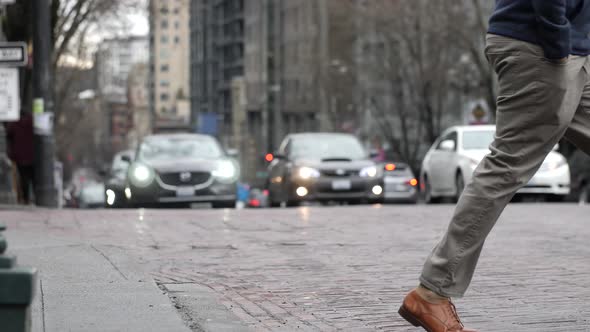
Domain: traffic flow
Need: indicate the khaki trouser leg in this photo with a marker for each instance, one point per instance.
(579, 130)
(537, 103)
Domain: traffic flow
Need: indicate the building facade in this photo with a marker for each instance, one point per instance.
(114, 60)
(138, 103)
(217, 57)
(169, 64)
(284, 56)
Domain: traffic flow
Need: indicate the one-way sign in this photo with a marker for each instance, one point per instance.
(13, 54)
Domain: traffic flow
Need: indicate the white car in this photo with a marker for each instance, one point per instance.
(450, 162)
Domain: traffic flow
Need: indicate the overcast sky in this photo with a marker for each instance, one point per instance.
(140, 24)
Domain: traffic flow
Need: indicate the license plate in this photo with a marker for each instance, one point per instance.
(401, 187)
(185, 191)
(341, 185)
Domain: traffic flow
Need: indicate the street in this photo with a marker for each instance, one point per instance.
(307, 269)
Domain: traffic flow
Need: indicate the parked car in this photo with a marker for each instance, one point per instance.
(401, 186)
(91, 195)
(115, 182)
(323, 167)
(80, 177)
(580, 183)
(451, 160)
(180, 169)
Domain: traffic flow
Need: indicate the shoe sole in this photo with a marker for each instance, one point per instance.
(405, 314)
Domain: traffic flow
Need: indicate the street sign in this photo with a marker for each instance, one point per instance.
(9, 94)
(13, 54)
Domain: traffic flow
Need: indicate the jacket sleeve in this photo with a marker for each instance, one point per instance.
(553, 27)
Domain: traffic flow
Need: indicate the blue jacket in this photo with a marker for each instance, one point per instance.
(560, 27)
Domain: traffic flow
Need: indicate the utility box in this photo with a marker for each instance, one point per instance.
(17, 290)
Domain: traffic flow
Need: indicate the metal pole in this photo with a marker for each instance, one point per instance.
(45, 191)
(279, 71)
(324, 61)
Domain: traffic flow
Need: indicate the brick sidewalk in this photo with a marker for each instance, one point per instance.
(339, 268)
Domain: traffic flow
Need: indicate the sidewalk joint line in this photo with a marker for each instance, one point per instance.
(109, 260)
(42, 303)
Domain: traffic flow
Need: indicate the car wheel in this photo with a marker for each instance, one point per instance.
(428, 198)
(293, 203)
(459, 185)
(224, 205)
(584, 195)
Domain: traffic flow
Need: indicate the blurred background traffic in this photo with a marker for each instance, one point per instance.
(254, 103)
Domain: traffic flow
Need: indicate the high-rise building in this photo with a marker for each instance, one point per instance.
(138, 102)
(217, 32)
(169, 64)
(291, 59)
(114, 60)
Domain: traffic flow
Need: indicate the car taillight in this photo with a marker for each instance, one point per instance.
(265, 192)
(412, 182)
(269, 157)
(390, 167)
(255, 203)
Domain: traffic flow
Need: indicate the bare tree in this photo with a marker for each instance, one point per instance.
(420, 60)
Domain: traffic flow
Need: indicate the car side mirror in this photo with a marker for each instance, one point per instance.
(556, 147)
(448, 145)
(126, 159)
(234, 153)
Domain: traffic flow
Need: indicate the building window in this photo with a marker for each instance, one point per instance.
(164, 68)
(164, 97)
(164, 24)
(164, 39)
(164, 83)
(177, 25)
(177, 40)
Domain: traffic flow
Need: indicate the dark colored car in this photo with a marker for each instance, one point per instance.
(323, 167)
(181, 169)
(115, 182)
(580, 173)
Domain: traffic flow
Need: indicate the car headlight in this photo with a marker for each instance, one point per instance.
(306, 173)
(111, 197)
(226, 171)
(141, 175)
(368, 172)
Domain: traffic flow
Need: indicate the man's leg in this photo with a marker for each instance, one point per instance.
(26, 180)
(537, 101)
(578, 132)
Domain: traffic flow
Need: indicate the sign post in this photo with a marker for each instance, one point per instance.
(12, 55)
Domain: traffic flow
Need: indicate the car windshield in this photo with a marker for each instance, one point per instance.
(328, 147)
(179, 148)
(478, 140)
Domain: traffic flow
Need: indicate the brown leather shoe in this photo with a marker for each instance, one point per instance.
(440, 317)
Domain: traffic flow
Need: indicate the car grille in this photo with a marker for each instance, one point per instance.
(175, 179)
(339, 173)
